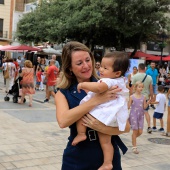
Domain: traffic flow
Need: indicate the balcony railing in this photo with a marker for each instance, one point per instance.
(3, 34)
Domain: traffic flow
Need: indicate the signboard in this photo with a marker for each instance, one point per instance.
(153, 46)
(133, 62)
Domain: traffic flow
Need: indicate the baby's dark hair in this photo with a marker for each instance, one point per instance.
(121, 61)
(160, 88)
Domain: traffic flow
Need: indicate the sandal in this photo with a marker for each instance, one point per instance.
(20, 102)
(134, 149)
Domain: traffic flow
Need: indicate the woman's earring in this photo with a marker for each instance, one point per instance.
(71, 73)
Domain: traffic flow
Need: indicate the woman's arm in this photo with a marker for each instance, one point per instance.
(129, 80)
(130, 102)
(91, 122)
(66, 116)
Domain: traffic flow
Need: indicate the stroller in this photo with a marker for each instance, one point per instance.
(14, 91)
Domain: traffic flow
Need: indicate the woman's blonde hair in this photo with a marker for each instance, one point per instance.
(28, 63)
(67, 77)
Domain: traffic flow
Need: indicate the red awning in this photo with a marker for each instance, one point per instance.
(2, 48)
(140, 54)
(154, 58)
(167, 58)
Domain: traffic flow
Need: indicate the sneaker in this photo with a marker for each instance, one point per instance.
(161, 130)
(149, 130)
(46, 100)
(153, 107)
(154, 129)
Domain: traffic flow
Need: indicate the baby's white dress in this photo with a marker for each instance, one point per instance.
(115, 112)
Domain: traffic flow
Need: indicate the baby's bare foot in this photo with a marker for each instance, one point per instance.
(79, 138)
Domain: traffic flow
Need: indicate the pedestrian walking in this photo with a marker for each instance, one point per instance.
(51, 75)
(42, 66)
(137, 104)
(167, 133)
(27, 82)
(147, 90)
(130, 77)
(38, 78)
(153, 72)
(160, 109)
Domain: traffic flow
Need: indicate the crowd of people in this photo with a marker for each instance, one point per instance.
(96, 101)
(35, 76)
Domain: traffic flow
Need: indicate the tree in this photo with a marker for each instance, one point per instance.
(118, 23)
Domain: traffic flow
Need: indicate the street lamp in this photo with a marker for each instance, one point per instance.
(162, 44)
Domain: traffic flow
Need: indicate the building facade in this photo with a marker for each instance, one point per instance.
(11, 11)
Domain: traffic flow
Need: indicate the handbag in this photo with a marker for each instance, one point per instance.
(6, 73)
(45, 81)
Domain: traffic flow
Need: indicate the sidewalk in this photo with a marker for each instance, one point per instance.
(30, 139)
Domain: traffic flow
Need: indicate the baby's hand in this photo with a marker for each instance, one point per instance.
(79, 87)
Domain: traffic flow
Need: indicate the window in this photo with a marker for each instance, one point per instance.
(1, 1)
(1, 27)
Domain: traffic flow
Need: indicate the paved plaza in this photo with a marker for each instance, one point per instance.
(30, 139)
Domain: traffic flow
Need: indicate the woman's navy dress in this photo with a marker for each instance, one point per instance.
(86, 155)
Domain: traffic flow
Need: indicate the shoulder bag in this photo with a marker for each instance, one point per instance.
(6, 73)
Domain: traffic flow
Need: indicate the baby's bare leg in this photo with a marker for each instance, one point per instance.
(108, 151)
(81, 133)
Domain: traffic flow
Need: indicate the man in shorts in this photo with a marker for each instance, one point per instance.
(51, 76)
(147, 81)
(153, 72)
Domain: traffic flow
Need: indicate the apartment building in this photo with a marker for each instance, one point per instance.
(10, 13)
(6, 8)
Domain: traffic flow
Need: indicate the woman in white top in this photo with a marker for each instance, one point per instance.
(11, 67)
(130, 76)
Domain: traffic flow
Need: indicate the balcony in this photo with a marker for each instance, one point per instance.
(4, 34)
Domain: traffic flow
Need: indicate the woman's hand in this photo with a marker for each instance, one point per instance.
(91, 122)
(110, 94)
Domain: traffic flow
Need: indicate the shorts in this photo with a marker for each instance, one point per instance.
(155, 89)
(169, 102)
(51, 88)
(38, 83)
(157, 115)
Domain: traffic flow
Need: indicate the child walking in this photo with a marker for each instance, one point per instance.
(137, 103)
(113, 113)
(38, 78)
(160, 109)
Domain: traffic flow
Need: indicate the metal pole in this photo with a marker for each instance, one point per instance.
(161, 54)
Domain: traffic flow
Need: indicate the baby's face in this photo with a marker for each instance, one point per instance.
(106, 68)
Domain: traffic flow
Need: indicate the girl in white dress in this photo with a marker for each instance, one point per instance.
(113, 113)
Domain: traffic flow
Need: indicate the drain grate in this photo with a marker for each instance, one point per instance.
(162, 141)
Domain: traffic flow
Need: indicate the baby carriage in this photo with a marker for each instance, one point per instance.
(14, 91)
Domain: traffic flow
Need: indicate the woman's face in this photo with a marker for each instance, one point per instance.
(81, 65)
(135, 70)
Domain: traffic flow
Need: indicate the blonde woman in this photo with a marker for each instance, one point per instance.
(27, 82)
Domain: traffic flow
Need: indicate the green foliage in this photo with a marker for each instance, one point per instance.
(118, 23)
